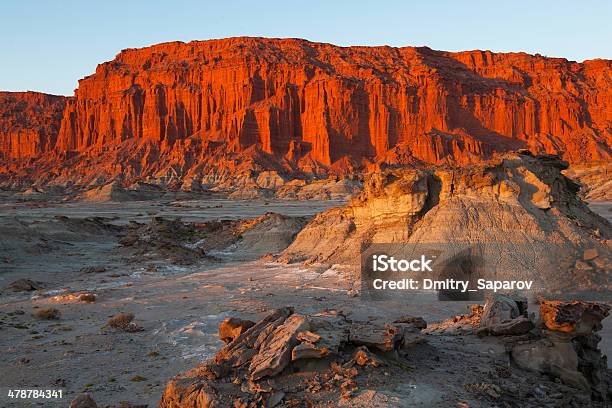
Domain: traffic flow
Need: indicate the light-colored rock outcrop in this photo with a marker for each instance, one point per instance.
(595, 180)
(519, 208)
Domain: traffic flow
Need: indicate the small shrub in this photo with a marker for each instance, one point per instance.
(49, 313)
(121, 321)
(87, 297)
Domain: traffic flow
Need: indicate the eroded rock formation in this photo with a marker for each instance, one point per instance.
(185, 243)
(205, 109)
(517, 207)
(272, 360)
(595, 180)
(568, 347)
(325, 359)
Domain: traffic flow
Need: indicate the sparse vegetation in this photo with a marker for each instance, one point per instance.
(87, 297)
(48, 313)
(120, 321)
(123, 322)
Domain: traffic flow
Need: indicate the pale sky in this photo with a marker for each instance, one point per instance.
(48, 45)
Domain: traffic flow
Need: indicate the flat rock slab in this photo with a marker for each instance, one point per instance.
(275, 351)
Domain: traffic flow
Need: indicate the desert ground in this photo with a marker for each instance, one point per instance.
(68, 249)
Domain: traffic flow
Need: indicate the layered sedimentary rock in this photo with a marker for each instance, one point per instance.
(518, 214)
(177, 110)
(569, 349)
(595, 180)
(29, 123)
(269, 361)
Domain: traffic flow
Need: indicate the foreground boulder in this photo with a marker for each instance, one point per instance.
(505, 315)
(248, 369)
(568, 348)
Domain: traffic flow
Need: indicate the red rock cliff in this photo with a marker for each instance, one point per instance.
(305, 103)
(29, 123)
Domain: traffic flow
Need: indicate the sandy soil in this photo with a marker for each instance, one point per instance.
(178, 306)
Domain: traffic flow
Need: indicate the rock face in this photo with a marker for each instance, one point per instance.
(576, 317)
(29, 123)
(178, 110)
(509, 206)
(568, 349)
(595, 180)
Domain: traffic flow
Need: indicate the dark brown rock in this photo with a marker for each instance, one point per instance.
(573, 317)
(363, 357)
(93, 269)
(124, 322)
(308, 350)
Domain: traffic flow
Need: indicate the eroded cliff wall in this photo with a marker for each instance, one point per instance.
(29, 123)
(319, 106)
